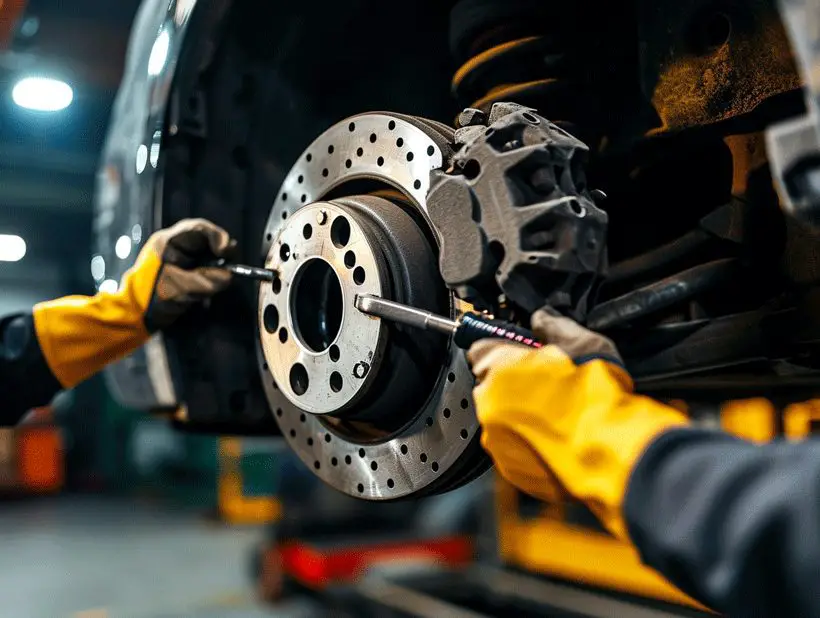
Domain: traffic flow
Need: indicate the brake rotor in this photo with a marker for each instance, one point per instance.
(377, 410)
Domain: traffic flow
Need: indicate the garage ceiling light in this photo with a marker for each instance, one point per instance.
(123, 247)
(12, 248)
(42, 94)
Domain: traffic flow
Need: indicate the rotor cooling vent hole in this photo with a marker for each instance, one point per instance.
(360, 488)
(374, 466)
(431, 150)
(391, 483)
(373, 138)
(350, 259)
(417, 185)
(309, 441)
(362, 453)
(472, 169)
(284, 252)
(403, 449)
(299, 380)
(464, 404)
(334, 462)
(330, 149)
(400, 142)
(410, 156)
(325, 172)
(380, 161)
(391, 125)
(351, 127)
(308, 157)
(317, 305)
(359, 152)
(284, 214)
(302, 418)
(268, 237)
(271, 319)
(340, 232)
(301, 179)
(336, 382)
(451, 377)
(423, 458)
(429, 421)
(358, 275)
(334, 353)
(446, 413)
(434, 466)
(348, 460)
(464, 434)
(328, 438)
(279, 412)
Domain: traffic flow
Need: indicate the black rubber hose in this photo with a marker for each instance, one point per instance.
(656, 259)
(661, 295)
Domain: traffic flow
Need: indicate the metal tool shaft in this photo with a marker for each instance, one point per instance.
(249, 272)
(396, 312)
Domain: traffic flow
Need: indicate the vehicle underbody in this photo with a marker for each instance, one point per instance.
(607, 159)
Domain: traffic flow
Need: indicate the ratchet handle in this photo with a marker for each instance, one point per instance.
(473, 327)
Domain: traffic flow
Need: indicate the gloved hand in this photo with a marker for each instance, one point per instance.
(563, 418)
(79, 335)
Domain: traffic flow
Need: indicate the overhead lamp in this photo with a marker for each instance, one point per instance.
(42, 94)
(12, 248)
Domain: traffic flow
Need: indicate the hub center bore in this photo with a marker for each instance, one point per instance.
(317, 305)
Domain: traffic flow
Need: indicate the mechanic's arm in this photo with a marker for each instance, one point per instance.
(734, 525)
(64, 341)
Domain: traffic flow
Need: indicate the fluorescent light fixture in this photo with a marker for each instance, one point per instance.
(109, 286)
(12, 248)
(42, 94)
(98, 268)
(159, 54)
(123, 247)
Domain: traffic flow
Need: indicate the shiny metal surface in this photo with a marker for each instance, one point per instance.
(396, 312)
(428, 451)
(335, 376)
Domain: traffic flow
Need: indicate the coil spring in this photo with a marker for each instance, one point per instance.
(525, 51)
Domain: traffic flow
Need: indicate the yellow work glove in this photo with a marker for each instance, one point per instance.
(563, 418)
(79, 335)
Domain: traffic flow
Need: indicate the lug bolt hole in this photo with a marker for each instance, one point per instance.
(299, 380)
(336, 381)
(270, 318)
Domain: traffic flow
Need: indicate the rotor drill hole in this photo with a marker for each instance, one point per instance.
(279, 412)
(336, 381)
(307, 231)
(330, 149)
(471, 170)
(276, 285)
(350, 259)
(410, 156)
(308, 157)
(417, 185)
(334, 462)
(403, 449)
(299, 380)
(317, 465)
(325, 172)
(380, 161)
(373, 138)
(328, 438)
(348, 163)
(348, 460)
(431, 151)
(303, 199)
(283, 335)
(284, 197)
(391, 125)
(451, 377)
(292, 433)
(340, 232)
(358, 275)
(268, 237)
(400, 142)
(284, 214)
(361, 453)
(317, 305)
(270, 318)
(301, 179)
(302, 417)
(464, 434)
(464, 404)
(310, 441)
(423, 458)
(284, 252)
(359, 152)
(334, 353)
(360, 487)
(429, 421)
(390, 483)
(374, 466)
(351, 127)
(446, 413)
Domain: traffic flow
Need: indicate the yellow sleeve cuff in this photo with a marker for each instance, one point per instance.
(80, 335)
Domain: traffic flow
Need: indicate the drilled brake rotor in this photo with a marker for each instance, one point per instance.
(377, 410)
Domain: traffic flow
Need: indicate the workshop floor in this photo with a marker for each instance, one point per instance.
(97, 558)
